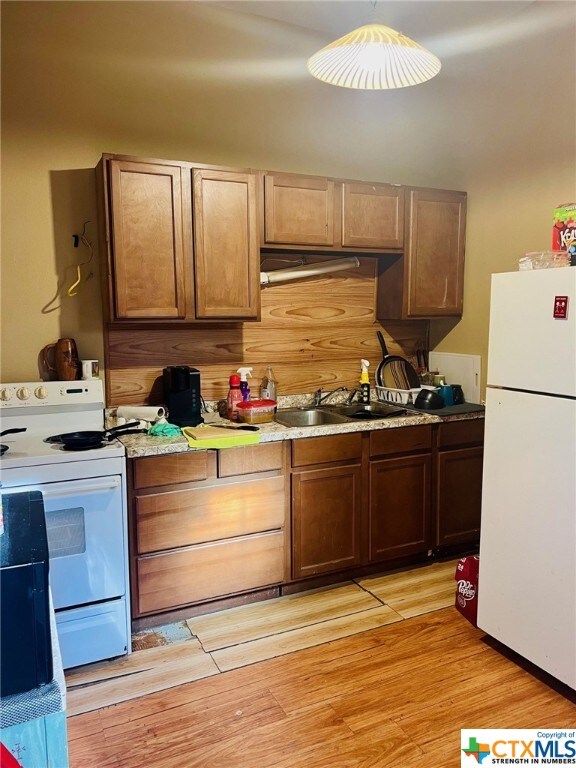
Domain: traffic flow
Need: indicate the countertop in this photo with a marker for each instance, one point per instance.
(145, 445)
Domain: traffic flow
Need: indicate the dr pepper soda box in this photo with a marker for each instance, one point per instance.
(467, 587)
(564, 229)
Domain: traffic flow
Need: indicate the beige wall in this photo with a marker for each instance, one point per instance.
(191, 81)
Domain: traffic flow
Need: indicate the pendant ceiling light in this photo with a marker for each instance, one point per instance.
(374, 57)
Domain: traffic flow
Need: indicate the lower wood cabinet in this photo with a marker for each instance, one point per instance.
(326, 520)
(384, 496)
(400, 523)
(196, 515)
(365, 500)
(203, 528)
(195, 574)
(458, 483)
(207, 525)
(327, 504)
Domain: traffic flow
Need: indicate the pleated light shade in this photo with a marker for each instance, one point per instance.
(374, 57)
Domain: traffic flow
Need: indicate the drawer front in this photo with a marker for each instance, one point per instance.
(182, 518)
(250, 458)
(468, 432)
(322, 450)
(175, 468)
(209, 570)
(400, 440)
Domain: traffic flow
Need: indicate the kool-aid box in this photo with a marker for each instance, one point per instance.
(564, 229)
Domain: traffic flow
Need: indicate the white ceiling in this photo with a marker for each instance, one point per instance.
(447, 27)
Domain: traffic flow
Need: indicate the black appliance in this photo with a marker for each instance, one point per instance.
(25, 642)
(182, 395)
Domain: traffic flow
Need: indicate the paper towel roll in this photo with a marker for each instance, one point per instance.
(143, 412)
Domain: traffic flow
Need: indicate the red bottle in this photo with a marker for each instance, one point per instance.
(234, 397)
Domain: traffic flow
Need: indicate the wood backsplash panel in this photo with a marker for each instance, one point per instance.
(326, 300)
(312, 332)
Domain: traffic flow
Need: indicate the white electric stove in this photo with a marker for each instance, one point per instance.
(85, 505)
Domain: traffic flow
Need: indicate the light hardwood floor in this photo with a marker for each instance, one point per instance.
(251, 633)
(347, 683)
(392, 696)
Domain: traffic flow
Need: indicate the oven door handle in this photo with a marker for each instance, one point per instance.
(75, 488)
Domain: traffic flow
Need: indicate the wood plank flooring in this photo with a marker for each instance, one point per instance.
(368, 674)
(147, 671)
(413, 593)
(396, 695)
(252, 633)
(251, 622)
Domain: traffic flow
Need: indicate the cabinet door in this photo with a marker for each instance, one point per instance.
(435, 253)
(372, 216)
(227, 255)
(400, 518)
(326, 518)
(147, 240)
(298, 210)
(459, 496)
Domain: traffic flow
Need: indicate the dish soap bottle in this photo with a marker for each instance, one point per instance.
(244, 388)
(268, 387)
(234, 397)
(364, 395)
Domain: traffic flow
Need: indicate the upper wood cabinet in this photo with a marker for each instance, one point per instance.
(372, 216)
(148, 245)
(302, 211)
(298, 210)
(428, 280)
(182, 241)
(226, 247)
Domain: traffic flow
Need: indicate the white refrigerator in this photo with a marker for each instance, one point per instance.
(527, 580)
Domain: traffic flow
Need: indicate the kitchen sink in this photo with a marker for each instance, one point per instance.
(308, 417)
(335, 414)
(359, 412)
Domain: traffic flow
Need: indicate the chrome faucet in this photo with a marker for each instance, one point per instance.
(351, 396)
(319, 397)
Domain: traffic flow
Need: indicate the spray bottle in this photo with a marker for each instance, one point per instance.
(244, 388)
(364, 395)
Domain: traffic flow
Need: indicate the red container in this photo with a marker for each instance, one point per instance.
(467, 588)
(256, 411)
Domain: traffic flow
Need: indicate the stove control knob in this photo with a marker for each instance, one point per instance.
(41, 393)
(5, 394)
(23, 393)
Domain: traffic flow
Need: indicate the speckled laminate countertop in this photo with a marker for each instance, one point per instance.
(145, 445)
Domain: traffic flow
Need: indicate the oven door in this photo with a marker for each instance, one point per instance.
(85, 540)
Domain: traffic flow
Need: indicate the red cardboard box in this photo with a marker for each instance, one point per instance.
(467, 587)
(564, 229)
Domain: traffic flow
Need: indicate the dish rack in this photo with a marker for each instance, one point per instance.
(399, 396)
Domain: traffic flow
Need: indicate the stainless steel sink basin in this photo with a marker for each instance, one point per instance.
(359, 412)
(335, 414)
(309, 417)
